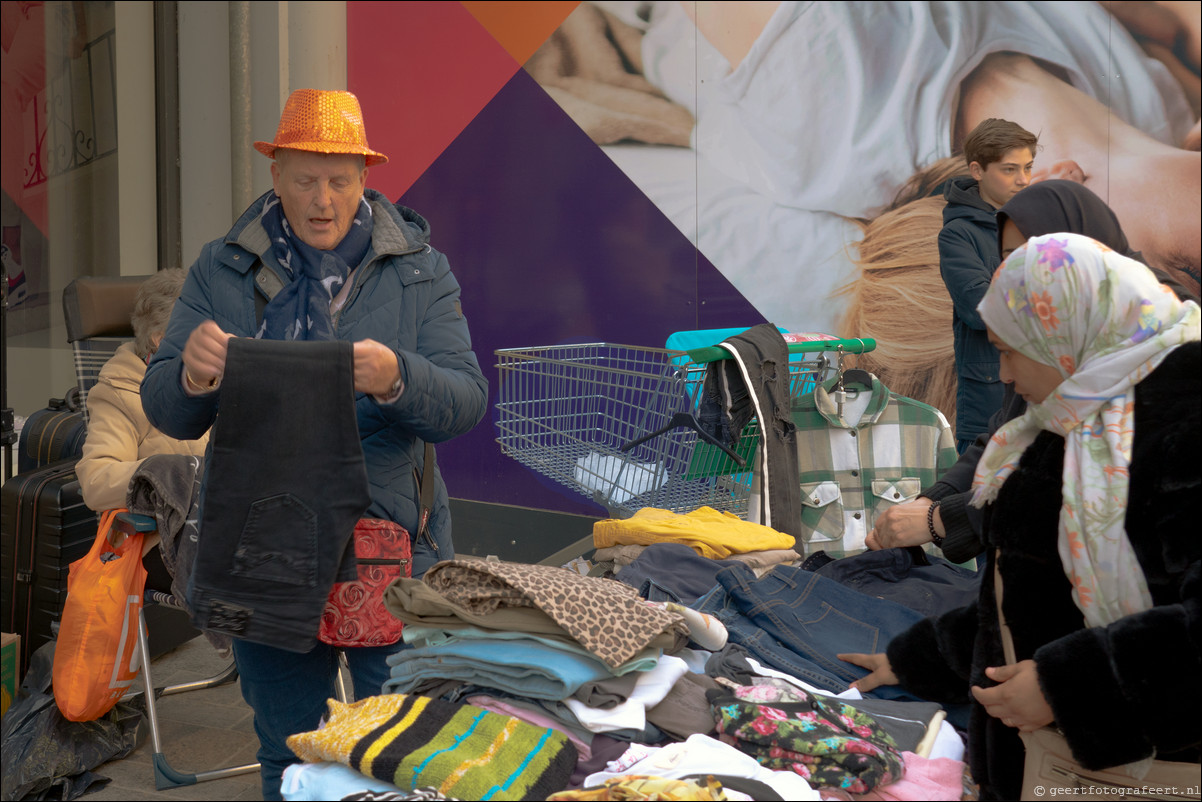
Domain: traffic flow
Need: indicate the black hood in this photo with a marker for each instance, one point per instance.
(1057, 206)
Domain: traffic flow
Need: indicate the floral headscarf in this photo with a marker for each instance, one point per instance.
(1105, 322)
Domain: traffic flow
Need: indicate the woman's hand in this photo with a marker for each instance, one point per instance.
(1170, 23)
(1170, 32)
(1017, 699)
(902, 525)
(878, 664)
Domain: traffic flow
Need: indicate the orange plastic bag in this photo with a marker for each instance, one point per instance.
(96, 658)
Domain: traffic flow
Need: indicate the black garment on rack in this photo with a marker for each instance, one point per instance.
(284, 485)
(755, 382)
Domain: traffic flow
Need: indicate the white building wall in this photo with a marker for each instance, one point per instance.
(293, 45)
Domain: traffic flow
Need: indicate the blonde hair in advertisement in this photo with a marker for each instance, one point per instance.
(898, 296)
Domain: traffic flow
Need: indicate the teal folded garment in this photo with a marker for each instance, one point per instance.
(422, 636)
(521, 667)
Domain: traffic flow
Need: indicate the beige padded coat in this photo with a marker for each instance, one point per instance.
(119, 435)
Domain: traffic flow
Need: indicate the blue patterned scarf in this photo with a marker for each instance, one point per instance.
(301, 310)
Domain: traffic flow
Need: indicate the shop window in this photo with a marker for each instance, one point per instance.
(59, 164)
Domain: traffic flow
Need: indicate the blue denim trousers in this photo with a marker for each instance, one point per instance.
(672, 572)
(931, 589)
(288, 691)
(796, 621)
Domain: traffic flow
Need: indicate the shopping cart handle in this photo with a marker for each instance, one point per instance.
(854, 345)
(689, 422)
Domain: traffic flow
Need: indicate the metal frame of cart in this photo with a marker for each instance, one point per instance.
(616, 422)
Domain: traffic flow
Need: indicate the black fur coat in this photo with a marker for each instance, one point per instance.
(1119, 693)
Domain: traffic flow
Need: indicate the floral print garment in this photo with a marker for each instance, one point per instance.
(828, 743)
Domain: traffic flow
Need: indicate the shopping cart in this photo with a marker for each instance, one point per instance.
(617, 423)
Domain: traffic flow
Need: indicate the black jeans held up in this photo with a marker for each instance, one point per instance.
(284, 486)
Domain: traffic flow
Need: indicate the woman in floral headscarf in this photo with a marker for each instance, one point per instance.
(1091, 514)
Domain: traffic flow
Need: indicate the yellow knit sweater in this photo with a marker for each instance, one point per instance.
(711, 533)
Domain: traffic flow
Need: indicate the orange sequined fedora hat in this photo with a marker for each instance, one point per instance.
(322, 121)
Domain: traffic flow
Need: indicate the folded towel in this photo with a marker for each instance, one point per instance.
(414, 741)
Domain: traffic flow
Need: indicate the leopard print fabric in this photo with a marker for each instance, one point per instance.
(607, 617)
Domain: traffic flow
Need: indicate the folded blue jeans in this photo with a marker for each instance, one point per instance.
(796, 621)
(894, 574)
(672, 572)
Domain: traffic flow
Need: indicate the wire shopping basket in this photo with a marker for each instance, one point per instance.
(605, 420)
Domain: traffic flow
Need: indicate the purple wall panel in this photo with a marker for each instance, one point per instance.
(553, 244)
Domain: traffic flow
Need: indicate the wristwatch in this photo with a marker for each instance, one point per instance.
(936, 538)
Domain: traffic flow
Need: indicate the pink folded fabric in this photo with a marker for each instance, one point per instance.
(938, 779)
(486, 702)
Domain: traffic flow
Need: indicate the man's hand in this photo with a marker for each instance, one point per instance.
(901, 525)
(204, 355)
(1017, 700)
(878, 664)
(376, 369)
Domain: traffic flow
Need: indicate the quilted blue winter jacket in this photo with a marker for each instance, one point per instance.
(405, 296)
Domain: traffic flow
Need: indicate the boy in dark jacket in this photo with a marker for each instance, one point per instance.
(1000, 155)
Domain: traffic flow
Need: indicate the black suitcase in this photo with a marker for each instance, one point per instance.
(54, 433)
(44, 527)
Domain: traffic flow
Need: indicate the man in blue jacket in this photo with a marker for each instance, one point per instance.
(1000, 155)
(320, 257)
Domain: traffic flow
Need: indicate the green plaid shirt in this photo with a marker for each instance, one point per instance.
(852, 474)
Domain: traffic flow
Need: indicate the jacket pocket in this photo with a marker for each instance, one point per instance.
(896, 491)
(278, 543)
(821, 511)
(888, 493)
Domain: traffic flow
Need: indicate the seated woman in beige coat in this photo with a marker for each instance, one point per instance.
(119, 436)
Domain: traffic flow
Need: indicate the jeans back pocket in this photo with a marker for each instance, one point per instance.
(278, 542)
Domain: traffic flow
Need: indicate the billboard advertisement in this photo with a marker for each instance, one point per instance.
(618, 172)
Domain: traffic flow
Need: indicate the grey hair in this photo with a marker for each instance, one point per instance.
(152, 307)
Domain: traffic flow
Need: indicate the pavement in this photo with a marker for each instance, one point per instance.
(200, 730)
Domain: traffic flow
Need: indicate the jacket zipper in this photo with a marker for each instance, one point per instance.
(423, 520)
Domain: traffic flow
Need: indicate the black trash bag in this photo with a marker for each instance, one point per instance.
(47, 757)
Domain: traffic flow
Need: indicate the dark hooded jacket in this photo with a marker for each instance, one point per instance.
(968, 255)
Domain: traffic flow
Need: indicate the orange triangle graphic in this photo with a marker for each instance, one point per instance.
(521, 26)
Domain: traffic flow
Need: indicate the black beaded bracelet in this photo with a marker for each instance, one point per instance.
(935, 538)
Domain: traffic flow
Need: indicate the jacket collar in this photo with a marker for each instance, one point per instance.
(124, 370)
(396, 231)
(827, 408)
